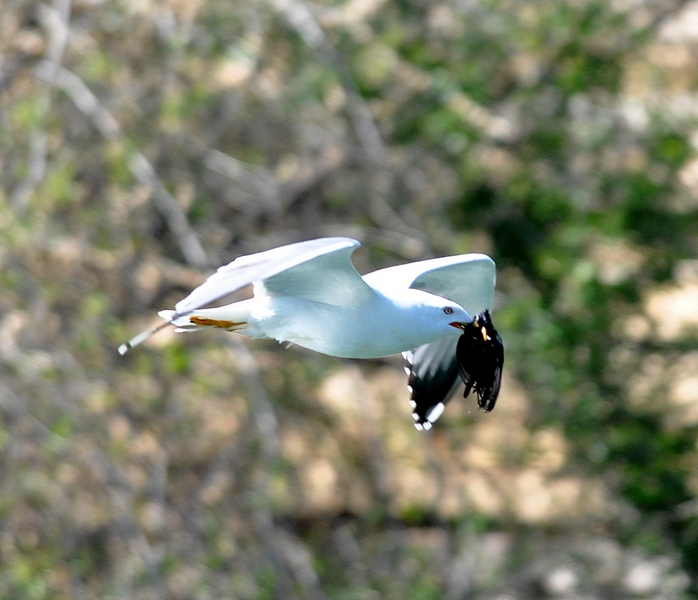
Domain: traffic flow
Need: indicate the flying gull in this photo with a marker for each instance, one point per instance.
(435, 312)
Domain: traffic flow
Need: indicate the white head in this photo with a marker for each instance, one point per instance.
(437, 315)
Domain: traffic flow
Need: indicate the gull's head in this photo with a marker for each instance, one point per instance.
(457, 317)
(448, 316)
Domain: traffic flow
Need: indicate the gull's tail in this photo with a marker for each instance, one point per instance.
(141, 337)
(233, 317)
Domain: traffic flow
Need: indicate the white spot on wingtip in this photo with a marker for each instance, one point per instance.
(418, 426)
(415, 416)
(413, 404)
(436, 412)
(427, 426)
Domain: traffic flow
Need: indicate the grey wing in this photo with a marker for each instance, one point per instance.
(267, 267)
(329, 279)
(262, 266)
(467, 279)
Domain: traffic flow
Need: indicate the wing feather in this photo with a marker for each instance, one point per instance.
(467, 279)
(432, 378)
(329, 278)
(270, 267)
(261, 266)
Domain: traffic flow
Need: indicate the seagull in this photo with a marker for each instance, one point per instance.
(435, 312)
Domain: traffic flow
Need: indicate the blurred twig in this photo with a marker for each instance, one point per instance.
(283, 548)
(258, 181)
(140, 166)
(55, 18)
(122, 496)
(299, 16)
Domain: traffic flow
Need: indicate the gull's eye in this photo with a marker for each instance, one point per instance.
(448, 310)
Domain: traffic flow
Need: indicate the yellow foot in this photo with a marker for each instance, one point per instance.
(219, 323)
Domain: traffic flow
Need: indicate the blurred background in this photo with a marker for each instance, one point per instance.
(144, 143)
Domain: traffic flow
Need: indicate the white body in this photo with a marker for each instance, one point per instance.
(379, 326)
(309, 294)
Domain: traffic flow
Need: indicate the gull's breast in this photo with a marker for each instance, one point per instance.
(371, 330)
(363, 331)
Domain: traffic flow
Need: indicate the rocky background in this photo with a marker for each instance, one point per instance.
(144, 143)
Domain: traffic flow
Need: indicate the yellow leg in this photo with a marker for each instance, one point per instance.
(218, 323)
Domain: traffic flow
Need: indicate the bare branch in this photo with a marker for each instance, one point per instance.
(299, 16)
(56, 20)
(140, 166)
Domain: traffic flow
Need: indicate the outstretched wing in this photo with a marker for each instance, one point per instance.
(293, 268)
(467, 279)
(329, 278)
(278, 265)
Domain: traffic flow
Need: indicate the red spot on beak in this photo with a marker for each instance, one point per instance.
(458, 325)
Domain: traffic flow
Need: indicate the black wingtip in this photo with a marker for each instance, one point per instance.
(432, 379)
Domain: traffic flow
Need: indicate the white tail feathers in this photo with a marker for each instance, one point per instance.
(182, 323)
(233, 317)
(141, 337)
(171, 318)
